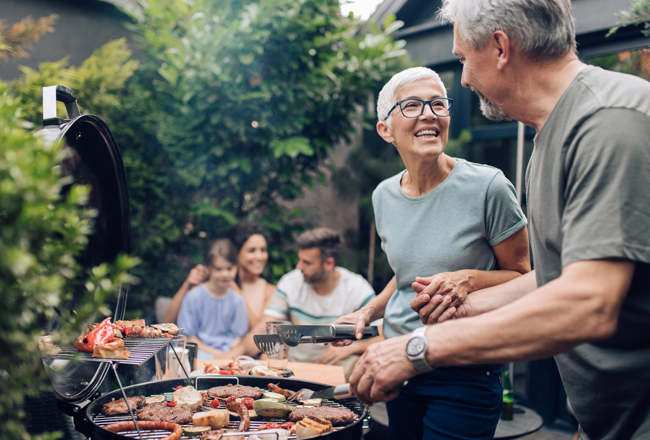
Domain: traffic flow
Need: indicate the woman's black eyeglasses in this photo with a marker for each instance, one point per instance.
(413, 108)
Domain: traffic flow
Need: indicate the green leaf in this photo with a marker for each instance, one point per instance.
(291, 147)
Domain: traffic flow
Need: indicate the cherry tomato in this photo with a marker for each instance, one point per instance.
(171, 403)
(167, 335)
(215, 403)
(226, 372)
(248, 402)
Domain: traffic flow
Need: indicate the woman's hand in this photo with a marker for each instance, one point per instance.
(360, 318)
(454, 285)
(438, 297)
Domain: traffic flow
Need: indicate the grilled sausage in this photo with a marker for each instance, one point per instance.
(177, 431)
(242, 411)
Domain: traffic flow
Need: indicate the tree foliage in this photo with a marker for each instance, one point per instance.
(251, 97)
(229, 115)
(41, 234)
(639, 13)
(15, 40)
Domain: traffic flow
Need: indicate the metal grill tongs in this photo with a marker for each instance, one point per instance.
(292, 335)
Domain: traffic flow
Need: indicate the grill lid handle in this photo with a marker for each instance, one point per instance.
(51, 95)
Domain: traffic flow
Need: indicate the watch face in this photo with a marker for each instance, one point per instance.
(415, 346)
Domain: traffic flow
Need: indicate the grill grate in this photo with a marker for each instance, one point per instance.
(142, 349)
(100, 419)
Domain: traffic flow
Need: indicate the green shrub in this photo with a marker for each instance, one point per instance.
(40, 236)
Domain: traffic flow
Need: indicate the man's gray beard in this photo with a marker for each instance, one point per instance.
(491, 110)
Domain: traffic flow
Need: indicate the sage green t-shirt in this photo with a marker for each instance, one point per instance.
(588, 186)
(451, 228)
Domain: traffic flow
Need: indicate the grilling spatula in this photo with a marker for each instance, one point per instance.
(337, 392)
(292, 335)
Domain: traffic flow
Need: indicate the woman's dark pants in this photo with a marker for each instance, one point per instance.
(448, 403)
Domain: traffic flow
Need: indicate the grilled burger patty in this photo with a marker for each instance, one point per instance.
(239, 391)
(338, 416)
(160, 412)
(118, 407)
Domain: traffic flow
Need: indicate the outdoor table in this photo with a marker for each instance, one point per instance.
(321, 373)
(525, 421)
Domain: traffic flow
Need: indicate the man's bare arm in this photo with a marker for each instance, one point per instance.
(582, 305)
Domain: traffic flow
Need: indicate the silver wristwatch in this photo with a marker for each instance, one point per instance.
(416, 350)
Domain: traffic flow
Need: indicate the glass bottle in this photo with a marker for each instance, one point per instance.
(508, 400)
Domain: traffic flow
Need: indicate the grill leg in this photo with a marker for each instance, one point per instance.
(135, 423)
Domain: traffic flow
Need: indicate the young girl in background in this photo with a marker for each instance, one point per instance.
(212, 314)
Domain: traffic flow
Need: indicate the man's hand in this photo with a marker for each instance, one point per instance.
(381, 369)
(360, 318)
(335, 354)
(199, 274)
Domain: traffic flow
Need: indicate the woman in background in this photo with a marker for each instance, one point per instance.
(250, 240)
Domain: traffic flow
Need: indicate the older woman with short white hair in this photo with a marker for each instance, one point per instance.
(449, 224)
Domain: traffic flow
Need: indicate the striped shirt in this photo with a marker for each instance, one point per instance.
(296, 301)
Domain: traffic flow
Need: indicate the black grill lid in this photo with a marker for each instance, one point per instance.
(93, 158)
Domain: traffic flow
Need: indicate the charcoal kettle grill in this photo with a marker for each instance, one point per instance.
(92, 157)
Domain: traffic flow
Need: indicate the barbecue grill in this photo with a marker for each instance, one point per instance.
(92, 158)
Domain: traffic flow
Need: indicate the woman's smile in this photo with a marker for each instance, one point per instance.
(427, 133)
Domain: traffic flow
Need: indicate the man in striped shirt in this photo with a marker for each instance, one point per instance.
(318, 292)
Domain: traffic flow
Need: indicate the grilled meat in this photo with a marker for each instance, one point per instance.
(170, 328)
(338, 416)
(239, 391)
(160, 412)
(118, 407)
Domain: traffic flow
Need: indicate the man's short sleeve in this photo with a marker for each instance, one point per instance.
(278, 306)
(503, 215)
(607, 199)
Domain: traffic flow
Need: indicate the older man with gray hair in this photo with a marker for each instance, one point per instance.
(588, 300)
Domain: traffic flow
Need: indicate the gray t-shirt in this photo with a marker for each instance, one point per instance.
(451, 228)
(588, 184)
